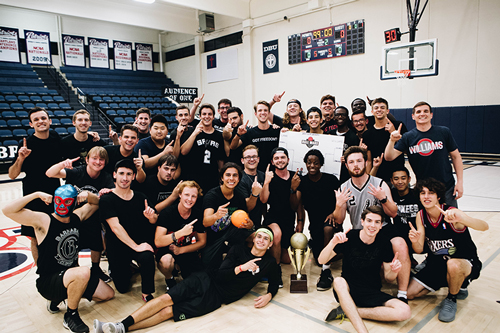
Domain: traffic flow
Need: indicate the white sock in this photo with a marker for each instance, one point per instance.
(401, 294)
(325, 267)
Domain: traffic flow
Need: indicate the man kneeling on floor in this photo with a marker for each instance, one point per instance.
(358, 290)
(204, 292)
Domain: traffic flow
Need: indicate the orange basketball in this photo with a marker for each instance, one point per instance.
(238, 218)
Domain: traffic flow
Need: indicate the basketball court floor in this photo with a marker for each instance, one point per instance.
(23, 310)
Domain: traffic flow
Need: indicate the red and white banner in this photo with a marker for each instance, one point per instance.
(74, 54)
(38, 47)
(123, 55)
(98, 48)
(144, 56)
(9, 45)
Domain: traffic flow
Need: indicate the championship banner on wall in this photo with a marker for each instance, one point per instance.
(98, 49)
(144, 56)
(123, 55)
(298, 143)
(9, 45)
(74, 54)
(38, 47)
(270, 56)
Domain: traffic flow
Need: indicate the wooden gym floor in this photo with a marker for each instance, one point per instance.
(23, 310)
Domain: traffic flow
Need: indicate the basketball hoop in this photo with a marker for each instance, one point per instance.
(402, 75)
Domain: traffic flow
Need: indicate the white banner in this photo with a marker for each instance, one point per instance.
(74, 54)
(222, 65)
(298, 143)
(9, 45)
(38, 47)
(123, 55)
(98, 53)
(144, 56)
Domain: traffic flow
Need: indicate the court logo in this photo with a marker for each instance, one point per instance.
(14, 257)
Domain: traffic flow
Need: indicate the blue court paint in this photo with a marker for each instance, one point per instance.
(10, 260)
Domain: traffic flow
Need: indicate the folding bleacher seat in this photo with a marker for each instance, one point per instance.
(116, 99)
(47, 99)
(52, 92)
(6, 92)
(31, 131)
(25, 123)
(111, 113)
(132, 106)
(53, 106)
(65, 106)
(165, 105)
(129, 120)
(125, 99)
(114, 105)
(35, 98)
(61, 131)
(157, 105)
(66, 122)
(107, 99)
(59, 114)
(14, 123)
(23, 98)
(56, 122)
(150, 99)
(149, 105)
(7, 143)
(141, 99)
(121, 112)
(21, 114)
(71, 130)
(28, 106)
(3, 124)
(19, 133)
(18, 91)
(97, 99)
(42, 105)
(4, 106)
(6, 134)
(131, 113)
(119, 120)
(11, 98)
(8, 114)
(139, 105)
(59, 99)
(104, 105)
(123, 105)
(155, 112)
(70, 113)
(16, 106)
(133, 99)
(157, 100)
(2, 98)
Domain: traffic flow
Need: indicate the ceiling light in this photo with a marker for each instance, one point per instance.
(146, 1)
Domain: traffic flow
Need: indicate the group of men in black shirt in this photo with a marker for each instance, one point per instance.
(152, 206)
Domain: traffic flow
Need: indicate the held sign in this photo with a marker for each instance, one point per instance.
(181, 95)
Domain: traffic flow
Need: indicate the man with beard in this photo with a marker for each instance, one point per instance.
(235, 120)
(142, 120)
(363, 190)
(316, 192)
(90, 177)
(359, 122)
(204, 152)
(327, 105)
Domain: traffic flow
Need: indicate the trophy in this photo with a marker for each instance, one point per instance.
(298, 256)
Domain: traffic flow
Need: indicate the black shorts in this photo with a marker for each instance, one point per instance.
(194, 297)
(287, 230)
(389, 231)
(91, 235)
(317, 242)
(366, 297)
(188, 262)
(433, 275)
(51, 287)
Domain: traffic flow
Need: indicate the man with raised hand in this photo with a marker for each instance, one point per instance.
(358, 289)
(364, 190)
(204, 292)
(222, 108)
(429, 148)
(57, 234)
(452, 260)
(235, 120)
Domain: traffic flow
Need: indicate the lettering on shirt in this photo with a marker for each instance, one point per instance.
(441, 247)
(267, 138)
(67, 247)
(426, 147)
(207, 143)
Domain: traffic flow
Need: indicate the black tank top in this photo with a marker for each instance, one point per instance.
(59, 250)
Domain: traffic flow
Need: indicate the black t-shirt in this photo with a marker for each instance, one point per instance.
(79, 177)
(218, 124)
(362, 262)
(171, 220)
(44, 154)
(376, 140)
(232, 287)
(265, 140)
(201, 164)
(318, 197)
(214, 199)
(149, 148)
(72, 148)
(114, 156)
(280, 208)
(131, 218)
(144, 135)
(235, 155)
(408, 208)
(350, 139)
(329, 125)
(245, 187)
(154, 190)
(279, 121)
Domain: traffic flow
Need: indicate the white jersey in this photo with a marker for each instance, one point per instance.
(361, 200)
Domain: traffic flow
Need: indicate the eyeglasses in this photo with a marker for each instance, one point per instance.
(223, 107)
(360, 121)
(253, 157)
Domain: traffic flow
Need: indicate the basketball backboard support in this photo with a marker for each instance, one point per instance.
(418, 57)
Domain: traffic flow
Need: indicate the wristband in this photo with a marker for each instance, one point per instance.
(173, 237)
(240, 268)
(253, 195)
(383, 201)
(293, 191)
(237, 134)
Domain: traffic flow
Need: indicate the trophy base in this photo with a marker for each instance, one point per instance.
(298, 285)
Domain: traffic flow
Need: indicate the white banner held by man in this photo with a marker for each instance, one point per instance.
(299, 143)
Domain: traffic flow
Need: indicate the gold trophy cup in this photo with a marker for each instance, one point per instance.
(298, 256)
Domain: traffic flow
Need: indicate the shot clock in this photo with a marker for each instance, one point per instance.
(335, 41)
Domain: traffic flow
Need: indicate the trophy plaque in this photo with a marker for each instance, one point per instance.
(298, 256)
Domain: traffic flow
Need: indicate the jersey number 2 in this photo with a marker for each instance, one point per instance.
(206, 159)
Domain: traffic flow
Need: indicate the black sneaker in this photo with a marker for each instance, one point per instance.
(103, 276)
(325, 280)
(53, 306)
(147, 298)
(170, 283)
(74, 323)
(280, 282)
(336, 314)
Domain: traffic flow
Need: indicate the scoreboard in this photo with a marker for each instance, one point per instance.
(335, 41)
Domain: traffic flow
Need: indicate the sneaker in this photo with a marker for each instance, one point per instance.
(280, 282)
(325, 280)
(97, 326)
(147, 298)
(447, 313)
(74, 323)
(170, 283)
(103, 276)
(53, 306)
(462, 294)
(113, 328)
(336, 314)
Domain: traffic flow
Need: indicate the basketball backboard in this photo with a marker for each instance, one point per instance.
(418, 57)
